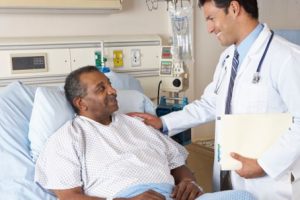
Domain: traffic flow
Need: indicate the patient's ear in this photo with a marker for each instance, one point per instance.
(79, 104)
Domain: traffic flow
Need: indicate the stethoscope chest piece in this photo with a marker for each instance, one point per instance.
(256, 78)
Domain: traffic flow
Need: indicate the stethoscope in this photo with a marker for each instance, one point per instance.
(256, 75)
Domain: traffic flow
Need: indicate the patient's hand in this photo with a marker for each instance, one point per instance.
(149, 119)
(187, 190)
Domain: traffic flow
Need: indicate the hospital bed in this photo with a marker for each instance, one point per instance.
(29, 114)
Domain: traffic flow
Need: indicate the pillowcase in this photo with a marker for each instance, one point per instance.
(124, 81)
(51, 110)
(134, 101)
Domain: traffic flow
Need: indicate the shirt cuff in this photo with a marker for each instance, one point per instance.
(164, 128)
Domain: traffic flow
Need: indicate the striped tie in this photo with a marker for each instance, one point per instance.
(225, 175)
(235, 64)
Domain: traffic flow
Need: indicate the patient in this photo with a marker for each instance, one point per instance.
(102, 154)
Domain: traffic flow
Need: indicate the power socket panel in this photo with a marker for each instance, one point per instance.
(136, 58)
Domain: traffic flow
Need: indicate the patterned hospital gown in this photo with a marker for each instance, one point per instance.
(105, 159)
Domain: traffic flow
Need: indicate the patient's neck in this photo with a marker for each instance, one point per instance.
(102, 119)
(105, 121)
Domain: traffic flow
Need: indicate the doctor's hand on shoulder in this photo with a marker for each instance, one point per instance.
(250, 167)
(148, 119)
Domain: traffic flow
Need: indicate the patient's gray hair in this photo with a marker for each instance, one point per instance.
(73, 87)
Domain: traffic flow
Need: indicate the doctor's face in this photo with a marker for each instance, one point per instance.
(100, 99)
(222, 24)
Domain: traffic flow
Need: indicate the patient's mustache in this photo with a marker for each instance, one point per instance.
(112, 97)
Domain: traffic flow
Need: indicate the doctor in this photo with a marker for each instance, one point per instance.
(267, 80)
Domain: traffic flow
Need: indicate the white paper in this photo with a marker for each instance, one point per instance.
(249, 135)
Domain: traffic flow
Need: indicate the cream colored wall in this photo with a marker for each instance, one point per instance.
(133, 19)
(278, 14)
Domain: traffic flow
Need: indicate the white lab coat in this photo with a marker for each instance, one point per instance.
(277, 91)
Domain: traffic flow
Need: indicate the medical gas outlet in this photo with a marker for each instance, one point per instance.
(118, 58)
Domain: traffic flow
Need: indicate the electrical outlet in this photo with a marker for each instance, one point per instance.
(135, 57)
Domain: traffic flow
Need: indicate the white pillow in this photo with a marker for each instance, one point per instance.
(51, 110)
(124, 81)
(134, 101)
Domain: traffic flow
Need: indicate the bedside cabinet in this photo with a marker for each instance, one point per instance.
(200, 161)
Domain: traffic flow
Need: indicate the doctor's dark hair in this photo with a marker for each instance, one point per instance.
(249, 5)
(73, 87)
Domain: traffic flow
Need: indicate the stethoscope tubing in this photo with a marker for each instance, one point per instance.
(256, 76)
(265, 52)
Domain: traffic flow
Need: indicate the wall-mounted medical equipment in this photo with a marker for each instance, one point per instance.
(173, 72)
(173, 80)
(118, 58)
(100, 62)
(28, 63)
(47, 60)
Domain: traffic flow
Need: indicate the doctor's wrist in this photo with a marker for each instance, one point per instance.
(163, 128)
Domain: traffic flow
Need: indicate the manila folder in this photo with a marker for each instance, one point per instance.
(249, 135)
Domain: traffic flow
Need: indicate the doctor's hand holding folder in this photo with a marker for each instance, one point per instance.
(248, 135)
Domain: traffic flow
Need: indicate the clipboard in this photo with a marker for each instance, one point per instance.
(249, 135)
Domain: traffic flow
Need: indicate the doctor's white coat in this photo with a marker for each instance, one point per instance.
(277, 91)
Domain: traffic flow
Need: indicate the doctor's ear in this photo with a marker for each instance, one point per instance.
(235, 7)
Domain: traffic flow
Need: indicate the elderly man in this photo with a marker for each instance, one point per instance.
(101, 154)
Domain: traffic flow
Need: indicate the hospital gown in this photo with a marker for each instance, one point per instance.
(107, 159)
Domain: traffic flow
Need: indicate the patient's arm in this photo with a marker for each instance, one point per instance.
(186, 187)
(77, 194)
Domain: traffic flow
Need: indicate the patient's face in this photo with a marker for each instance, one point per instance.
(100, 100)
